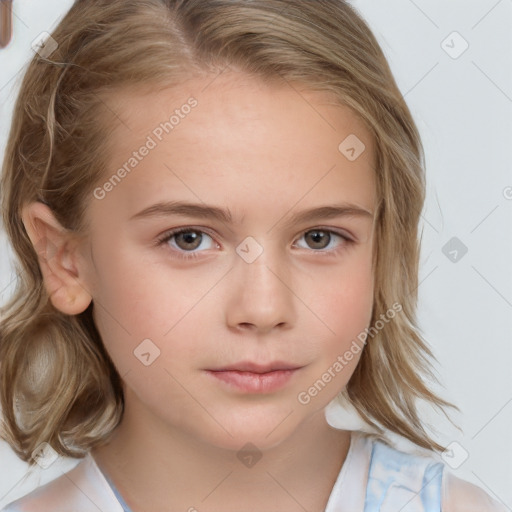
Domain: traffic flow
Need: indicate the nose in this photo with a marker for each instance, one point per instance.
(260, 294)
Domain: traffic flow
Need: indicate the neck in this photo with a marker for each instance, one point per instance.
(160, 467)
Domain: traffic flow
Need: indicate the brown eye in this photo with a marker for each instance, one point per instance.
(188, 240)
(319, 239)
(325, 241)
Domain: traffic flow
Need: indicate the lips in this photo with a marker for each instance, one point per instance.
(248, 366)
(252, 378)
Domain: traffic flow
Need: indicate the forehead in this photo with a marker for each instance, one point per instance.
(237, 97)
(215, 135)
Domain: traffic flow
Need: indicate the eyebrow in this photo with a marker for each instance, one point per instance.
(197, 210)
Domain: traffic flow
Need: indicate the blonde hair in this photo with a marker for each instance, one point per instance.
(58, 384)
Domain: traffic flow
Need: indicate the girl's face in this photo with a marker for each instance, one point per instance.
(265, 273)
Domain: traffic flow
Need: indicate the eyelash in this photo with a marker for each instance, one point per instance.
(186, 255)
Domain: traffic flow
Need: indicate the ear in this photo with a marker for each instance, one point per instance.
(59, 258)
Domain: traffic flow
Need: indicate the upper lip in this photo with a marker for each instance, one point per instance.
(248, 366)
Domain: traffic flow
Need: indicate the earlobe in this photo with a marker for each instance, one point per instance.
(59, 260)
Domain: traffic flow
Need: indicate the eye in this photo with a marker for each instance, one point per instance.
(321, 239)
(185, 240)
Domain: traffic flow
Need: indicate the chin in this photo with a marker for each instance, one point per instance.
(264, 432)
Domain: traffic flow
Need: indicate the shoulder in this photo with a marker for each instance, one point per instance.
(83, 489)
(462, 496)
(423, 481)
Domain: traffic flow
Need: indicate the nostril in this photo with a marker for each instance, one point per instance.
(5, 22)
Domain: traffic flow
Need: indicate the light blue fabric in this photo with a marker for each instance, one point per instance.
(404, 482)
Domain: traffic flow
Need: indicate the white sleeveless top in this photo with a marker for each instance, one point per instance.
(373, 478)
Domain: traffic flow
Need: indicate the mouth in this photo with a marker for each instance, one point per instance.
(250, 367)
(250, 377)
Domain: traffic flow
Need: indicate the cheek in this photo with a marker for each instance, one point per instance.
(351, 302)
(346, 308)
(128, 290)
(348, 300)
(140, 301)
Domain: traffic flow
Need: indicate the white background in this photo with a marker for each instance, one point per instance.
(463, 107)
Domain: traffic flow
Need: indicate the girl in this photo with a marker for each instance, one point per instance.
(215, 207)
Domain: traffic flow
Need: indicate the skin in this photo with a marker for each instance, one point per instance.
(266, 152)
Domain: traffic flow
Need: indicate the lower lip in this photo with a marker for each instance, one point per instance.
(255, 382)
